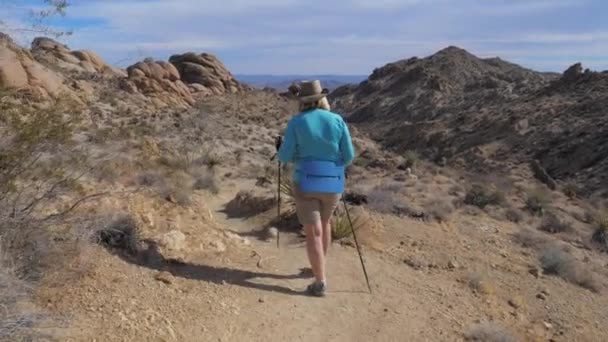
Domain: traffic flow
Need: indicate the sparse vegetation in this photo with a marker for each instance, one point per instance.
(481, 196)
(571, 190)
(489, 332)
(411, 158)
(529, 238)
(211, 161)
(538, 202)
(600, 234)
(206, 182)
(514, 215)
(553, 224)
(480, 283)
(439, 209)
(384, 198)
(555, 260)
(177, 188)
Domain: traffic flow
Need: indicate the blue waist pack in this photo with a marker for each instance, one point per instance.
(321, 176)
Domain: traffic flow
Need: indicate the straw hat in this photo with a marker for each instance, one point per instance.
(311, 91)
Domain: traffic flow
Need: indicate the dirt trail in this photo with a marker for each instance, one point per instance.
(348, 313)
(230, 296)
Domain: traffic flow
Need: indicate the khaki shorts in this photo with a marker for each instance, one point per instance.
(312, 207)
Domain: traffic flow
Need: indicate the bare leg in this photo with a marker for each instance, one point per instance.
(326, 236)
(314, 249)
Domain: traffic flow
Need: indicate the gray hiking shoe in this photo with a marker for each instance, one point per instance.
(317, 289)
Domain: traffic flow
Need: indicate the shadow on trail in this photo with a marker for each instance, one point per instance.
(152, 258)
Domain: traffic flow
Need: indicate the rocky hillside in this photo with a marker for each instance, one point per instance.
(50, 69)
(485, 114)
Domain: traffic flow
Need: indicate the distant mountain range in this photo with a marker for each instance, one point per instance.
(282, 82)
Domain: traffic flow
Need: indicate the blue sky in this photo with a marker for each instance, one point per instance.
(334, 37)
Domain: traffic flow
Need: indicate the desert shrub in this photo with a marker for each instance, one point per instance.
(538, 202)
(19, 322)
(384, 198)
(481, 196)
(489, 332)
(571, 190)
(480, 283)
(177, 188)
(206, 182)
(556, 261)
(552, 224)
(411, 158)
(212, 160)
(120, 233)
(514, 215)
(439, 209)
(150, 179)
(529, 238)
(600, 234)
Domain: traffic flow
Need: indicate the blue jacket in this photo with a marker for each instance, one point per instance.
(316, 135)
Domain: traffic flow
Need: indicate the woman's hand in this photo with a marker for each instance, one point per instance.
(278, 141)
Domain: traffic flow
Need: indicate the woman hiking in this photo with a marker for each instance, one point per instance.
(319, 145)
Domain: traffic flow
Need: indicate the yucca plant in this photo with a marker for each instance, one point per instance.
(340, 226)
(287, 195)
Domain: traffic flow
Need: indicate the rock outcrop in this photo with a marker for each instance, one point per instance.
(50, 52)
(206, 74)
(159, 80)
(20, 71)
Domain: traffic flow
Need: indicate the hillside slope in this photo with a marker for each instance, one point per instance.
(485, 114)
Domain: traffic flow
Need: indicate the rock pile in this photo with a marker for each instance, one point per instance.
(20, 71)
(206, 74)
(50, 52)
(159, 80)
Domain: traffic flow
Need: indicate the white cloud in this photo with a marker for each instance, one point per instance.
(342, 36)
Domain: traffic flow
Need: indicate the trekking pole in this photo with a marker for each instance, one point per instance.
(356, 242)
(278, 145)
(279, 204)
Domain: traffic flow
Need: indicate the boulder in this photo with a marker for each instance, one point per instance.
(19, 70)
(160, 80)
(206, 74)
(53, 53)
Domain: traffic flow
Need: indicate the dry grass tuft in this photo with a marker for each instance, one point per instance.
(556, 261)
(480, 283)
(529, 238)
(385, 198)
(553, 225)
